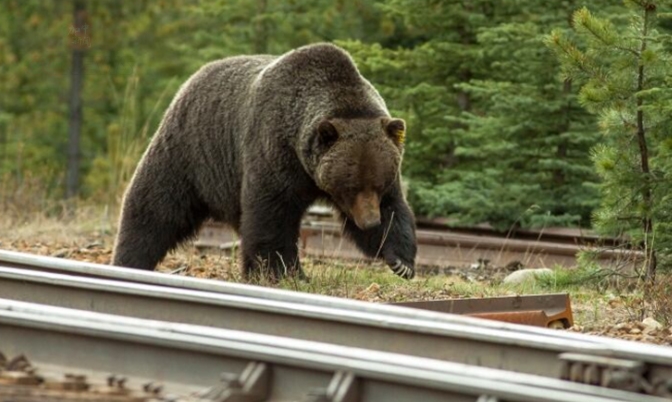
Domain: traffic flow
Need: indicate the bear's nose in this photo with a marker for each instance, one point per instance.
(366, 210)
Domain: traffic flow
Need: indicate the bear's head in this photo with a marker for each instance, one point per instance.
(357, 163)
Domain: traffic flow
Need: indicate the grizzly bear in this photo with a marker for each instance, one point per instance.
(253, 141)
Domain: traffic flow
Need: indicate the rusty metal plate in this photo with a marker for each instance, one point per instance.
(550, 311)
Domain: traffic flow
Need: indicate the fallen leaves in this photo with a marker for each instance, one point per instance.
(648, 330)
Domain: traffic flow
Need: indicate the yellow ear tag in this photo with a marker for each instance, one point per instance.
(401, 136)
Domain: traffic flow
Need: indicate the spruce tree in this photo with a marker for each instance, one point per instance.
(494, 135)
(432, 48)
(626, 70)
(523, 152)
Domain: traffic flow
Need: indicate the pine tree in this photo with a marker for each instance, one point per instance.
(626, 69)
(523, 153)
(432, 47)
(233, 27)
(79, 41)
(33, 75)
(494, 135)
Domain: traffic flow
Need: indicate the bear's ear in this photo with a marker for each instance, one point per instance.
(327, 134)
(396, 130)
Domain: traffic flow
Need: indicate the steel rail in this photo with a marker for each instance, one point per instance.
(285, 369)
(30, 262)
(445, 337)
(454, 341)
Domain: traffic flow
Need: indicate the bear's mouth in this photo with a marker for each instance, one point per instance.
(366, 210)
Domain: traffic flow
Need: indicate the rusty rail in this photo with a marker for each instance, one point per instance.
(439, 248)
(576, 236)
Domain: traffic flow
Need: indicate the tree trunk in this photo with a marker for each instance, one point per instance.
(647, 196)
(260, 40)
(75, 120)
(562, 149)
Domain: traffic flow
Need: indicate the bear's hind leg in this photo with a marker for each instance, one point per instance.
(153, 222)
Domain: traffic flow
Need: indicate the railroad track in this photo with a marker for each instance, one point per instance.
(196, 363)
(632, 367)
(441, 246)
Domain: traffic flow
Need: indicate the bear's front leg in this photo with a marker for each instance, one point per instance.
(270, 227)
(394, 239)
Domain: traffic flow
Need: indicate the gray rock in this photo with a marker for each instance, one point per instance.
(526, 275)
(651, 325)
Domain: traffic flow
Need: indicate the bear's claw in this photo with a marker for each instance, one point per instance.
(402, 270)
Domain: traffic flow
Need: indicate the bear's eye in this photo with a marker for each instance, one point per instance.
(380, 188)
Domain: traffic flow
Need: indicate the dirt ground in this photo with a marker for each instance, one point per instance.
(604, 307)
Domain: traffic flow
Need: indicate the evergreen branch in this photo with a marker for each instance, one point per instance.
(583, 17)
(566, 49)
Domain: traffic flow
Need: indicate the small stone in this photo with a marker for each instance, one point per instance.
(635, 331)
(61, 253)
(526, 275)
(373, 288)
(614, 301)
(651, 325)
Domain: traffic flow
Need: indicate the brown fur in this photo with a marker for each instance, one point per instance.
(253, 141)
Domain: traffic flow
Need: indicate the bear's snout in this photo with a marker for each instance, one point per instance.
(366, 210)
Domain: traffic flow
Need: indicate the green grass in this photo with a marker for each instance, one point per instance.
(344, 279)
(598, 298)
(595, 301)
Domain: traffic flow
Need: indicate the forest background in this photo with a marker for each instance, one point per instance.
(499, 130)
